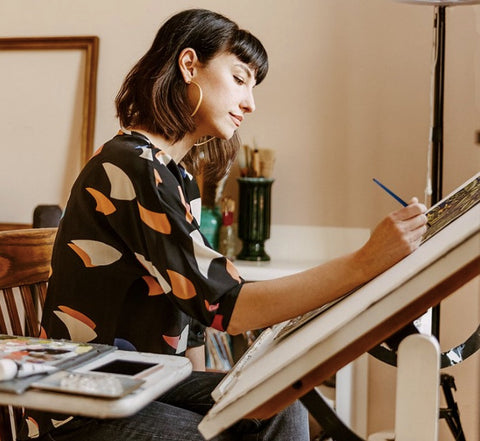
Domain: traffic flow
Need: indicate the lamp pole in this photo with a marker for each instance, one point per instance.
(436, 135)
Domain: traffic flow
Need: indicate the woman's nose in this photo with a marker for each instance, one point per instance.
(248, 104)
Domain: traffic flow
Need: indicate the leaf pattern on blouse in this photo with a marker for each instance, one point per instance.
(130, 265)
(104, 205)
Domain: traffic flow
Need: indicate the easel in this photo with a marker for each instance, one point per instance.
(294, 365)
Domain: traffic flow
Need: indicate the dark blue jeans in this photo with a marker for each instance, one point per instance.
(175, 416)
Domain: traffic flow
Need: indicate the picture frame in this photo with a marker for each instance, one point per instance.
(88, 44)
(81, 76)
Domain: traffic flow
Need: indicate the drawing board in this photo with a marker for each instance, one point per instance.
(289, 364)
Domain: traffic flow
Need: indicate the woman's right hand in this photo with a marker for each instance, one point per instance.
(396, 236)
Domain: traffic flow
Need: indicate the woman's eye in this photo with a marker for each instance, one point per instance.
(238, 80)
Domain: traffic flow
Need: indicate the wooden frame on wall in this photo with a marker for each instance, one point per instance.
(89, 44)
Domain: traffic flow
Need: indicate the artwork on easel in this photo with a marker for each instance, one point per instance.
(452, 207)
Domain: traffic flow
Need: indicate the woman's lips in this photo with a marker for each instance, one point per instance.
(237, 119)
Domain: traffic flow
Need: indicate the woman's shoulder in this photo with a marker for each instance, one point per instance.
(124, 144)
(128, 152)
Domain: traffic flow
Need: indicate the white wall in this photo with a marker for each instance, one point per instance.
(346, 99)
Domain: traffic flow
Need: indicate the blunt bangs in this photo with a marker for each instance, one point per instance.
(250, 51)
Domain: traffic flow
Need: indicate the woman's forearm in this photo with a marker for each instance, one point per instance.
(261, 304)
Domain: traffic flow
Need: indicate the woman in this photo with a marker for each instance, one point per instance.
(130, 266)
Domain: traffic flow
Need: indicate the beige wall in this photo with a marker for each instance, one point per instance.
(346, 99)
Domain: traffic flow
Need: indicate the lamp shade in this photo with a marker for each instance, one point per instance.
(440, 2)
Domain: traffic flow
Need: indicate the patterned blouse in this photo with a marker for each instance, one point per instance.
(130, 266)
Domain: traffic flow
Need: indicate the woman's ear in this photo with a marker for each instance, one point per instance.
(187, 61)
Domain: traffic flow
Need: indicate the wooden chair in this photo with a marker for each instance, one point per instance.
(24, 268)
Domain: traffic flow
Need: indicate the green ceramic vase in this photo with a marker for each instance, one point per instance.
(254, 217)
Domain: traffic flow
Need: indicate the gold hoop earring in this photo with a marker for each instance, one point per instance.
(198, 144)
(200, 98)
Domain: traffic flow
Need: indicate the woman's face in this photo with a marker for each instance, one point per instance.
(227, 85)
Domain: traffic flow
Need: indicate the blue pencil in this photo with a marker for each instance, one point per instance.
(390, 192)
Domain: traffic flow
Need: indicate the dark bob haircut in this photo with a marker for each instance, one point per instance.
(154, 94)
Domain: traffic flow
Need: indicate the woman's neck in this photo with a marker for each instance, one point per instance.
(176, 150)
